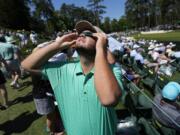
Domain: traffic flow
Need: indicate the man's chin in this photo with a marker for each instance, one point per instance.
(83, 50)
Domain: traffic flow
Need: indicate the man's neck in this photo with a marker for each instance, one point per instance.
(87, 64)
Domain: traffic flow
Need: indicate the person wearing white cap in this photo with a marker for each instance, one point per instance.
(133, 52)
(160, 48)
(172, 45)
(141, 61)
(166, 109)
(151, 47)
(85, 90)
(171, 53)
(160, 58)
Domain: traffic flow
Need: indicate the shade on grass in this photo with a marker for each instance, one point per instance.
(21, 117)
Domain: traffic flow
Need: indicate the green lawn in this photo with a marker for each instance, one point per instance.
(170, 36)
(21, 117)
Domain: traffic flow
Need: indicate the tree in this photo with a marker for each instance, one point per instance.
(152, 12)
(98, 9)
(70, 14)
(123, 24)
(169, 11)
(106, 26)
(37, 25)
(131, 10)
(114, 25)
(43, 9)
(14, 14)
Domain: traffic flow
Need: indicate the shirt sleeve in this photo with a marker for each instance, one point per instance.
(44, 70)
(52, 72)
(142, 61)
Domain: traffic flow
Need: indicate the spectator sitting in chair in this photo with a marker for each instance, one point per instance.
(166, 109)
(132, 76)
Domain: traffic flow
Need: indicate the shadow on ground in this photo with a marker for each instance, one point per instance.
(20, 123)
(25, 99)
(24, 85)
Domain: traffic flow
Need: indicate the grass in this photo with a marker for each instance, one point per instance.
(21, 117)
(170, 36)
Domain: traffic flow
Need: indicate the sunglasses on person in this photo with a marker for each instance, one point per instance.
(86, 34)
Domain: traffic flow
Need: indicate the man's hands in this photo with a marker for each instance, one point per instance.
(66, 41)
(101, 40)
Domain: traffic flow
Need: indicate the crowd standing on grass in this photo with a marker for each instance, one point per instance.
(83, 71)
(11, 45)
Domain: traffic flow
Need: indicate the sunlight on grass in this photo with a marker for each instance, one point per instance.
(170, 36)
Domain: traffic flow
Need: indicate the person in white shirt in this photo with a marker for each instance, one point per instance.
(33, 37)
(139, 57)
(171, 53)
(133, 52)
(141, 61)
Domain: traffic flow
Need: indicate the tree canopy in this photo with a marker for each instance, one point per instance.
(98, 9)
(14, 14)
(141, 13)
(41, 16)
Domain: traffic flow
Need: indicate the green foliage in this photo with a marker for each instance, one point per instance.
(98, 9)
(14, 14)
(114, 25)
(106, 26)
(150, 13)
(70, 14)
(43, 9)
(44, 12)
(42, 17)
(37, 25)
(123, 24)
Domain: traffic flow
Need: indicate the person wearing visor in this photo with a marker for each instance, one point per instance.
(86, 90)
(167, 109)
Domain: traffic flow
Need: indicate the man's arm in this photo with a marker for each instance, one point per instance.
(38, 58)
(110, 57)
(106, 84)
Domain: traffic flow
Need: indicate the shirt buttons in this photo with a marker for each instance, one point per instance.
(85, 92)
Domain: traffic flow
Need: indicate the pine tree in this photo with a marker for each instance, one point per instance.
(98, 9)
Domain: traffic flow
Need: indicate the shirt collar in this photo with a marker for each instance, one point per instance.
(79, 70)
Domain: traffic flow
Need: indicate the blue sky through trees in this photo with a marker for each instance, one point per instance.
(115, 8)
